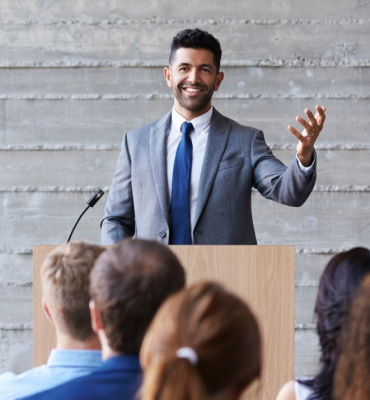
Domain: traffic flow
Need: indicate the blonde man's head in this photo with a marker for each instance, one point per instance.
(65, 283)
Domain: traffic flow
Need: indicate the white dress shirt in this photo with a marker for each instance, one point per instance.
(199, 138)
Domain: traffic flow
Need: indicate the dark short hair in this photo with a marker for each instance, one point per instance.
(128, 284)
(196, 39)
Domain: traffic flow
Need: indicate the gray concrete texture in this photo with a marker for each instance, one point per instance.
(74, 76)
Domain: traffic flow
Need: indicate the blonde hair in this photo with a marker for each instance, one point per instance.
(222, 331)
(65, 283)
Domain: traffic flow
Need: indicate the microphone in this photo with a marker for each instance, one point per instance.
(91, 203)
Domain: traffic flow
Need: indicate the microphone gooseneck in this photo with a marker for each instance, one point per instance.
(91, 203)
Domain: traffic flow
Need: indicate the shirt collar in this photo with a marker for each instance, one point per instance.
(124, 362)
(199, 123)
(75, 358)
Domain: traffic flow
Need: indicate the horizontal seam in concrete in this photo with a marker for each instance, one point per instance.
(178, 22)
(323, 146)
(57, 189)
(16, 284)
(305, 327)
(298, 250)
(344, 189)
(117, 147)
(57, 147)
(305, 284)
(30, 284)
(52, 189)
(326, 63)
(153, 96)
(21, 252)
(29, 327)
(16, 327)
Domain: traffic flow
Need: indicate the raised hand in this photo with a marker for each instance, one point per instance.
(307, 138)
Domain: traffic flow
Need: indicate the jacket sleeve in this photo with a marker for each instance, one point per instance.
(119, 219)
(286, 185)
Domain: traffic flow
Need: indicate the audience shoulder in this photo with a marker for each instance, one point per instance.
(287, 392)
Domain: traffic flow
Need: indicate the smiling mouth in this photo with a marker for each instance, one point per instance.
(192, 90)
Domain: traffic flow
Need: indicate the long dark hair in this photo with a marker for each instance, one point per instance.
(338, 285)
(353, 370)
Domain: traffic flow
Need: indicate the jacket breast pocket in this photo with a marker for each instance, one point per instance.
(232, 163)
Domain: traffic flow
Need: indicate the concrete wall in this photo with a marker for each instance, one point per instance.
(74, 76)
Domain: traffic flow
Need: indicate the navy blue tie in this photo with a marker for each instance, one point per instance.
(180, 195)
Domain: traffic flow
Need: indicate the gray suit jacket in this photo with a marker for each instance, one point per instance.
(236, 159)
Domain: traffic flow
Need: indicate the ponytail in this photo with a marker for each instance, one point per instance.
(202, 340)
(172, 378)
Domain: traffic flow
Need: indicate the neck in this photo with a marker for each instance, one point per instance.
(67, 342)
(107, 351)
(189, 115)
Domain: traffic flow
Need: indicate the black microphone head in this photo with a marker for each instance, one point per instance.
(95, 198)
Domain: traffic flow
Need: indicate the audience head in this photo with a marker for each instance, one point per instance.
(352, 376)
(224, 341)
(65, 285)
(196, 39)
(127, 285)
(337, 288)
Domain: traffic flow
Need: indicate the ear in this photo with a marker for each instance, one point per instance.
(144, 353)
(219, 79)
(95, 317)
(168, 76)
(46, 309)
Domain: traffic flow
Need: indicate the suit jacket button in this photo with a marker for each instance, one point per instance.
(162, 234)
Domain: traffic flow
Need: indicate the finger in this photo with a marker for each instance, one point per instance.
(305, 125)
(310, 117)
(297, 134)
(320, 115)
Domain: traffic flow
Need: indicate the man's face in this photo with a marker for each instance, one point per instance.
(193, 78)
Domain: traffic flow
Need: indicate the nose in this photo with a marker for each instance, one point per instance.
(193, 75)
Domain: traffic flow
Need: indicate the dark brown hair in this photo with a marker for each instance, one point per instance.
(222, 331)
(65, 284)
(338, 285)
(128, 284)
(197, 39)
(352, 377)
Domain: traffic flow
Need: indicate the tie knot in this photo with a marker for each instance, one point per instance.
(187, 127)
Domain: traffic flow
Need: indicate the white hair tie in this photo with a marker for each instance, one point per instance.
(189, 354)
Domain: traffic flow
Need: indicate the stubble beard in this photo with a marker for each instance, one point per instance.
(193, 104)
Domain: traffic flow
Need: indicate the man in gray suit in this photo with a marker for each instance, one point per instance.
(187, 178)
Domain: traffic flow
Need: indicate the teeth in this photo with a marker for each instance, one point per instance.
(192, 90)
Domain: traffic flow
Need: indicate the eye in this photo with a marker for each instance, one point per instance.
(205, 69)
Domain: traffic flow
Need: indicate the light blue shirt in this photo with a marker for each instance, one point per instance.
(62, 366)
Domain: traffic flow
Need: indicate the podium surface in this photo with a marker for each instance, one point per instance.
(262, 275)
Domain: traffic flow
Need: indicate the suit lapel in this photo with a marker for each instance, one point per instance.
(217, 139)
(158, 160)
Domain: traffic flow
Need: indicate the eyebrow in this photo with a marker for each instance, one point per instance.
(202, 65)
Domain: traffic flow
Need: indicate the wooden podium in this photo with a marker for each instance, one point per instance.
(262, 275)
